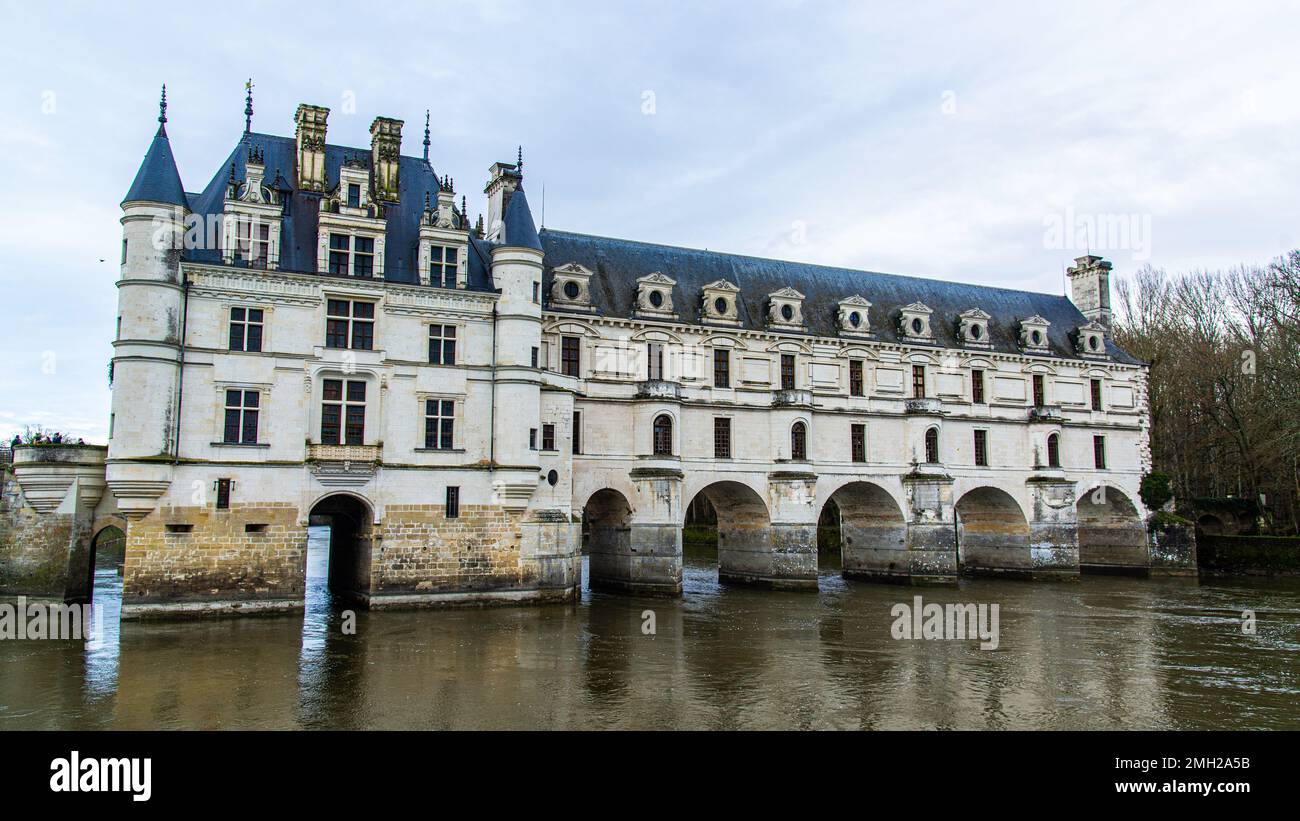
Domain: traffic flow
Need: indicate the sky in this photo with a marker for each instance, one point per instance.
(987, 142)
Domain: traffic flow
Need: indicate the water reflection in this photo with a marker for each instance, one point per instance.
(1101, 653)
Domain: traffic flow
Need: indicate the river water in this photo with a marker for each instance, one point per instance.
(1100, 653)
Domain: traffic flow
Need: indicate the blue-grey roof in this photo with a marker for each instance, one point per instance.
(416, 179)
(157, 180)
(618, 263)
(520, 231)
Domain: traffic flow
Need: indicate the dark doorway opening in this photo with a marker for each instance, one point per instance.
(338, 552)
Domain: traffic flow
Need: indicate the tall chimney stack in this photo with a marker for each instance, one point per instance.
(310, 132)
(505, 179)
(1090, 288)
(385, 154)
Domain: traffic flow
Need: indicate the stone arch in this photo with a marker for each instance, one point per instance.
(606, 533)
(105, 549)
(1112, 534)
(350, 518)
(744, 530)
(872, 530)
(992, 532)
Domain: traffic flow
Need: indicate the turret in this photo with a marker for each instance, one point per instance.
(146, 353)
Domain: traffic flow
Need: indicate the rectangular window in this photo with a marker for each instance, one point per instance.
(439, 424)
(721, 368)
(349, 324)
(787, 371)
(442, 344)
(982, 448)
(532, 438)
(655, 361)
(537, 289)
(858, 442)
(241, 417)
(569, 355)
(534, 356)
(1099, 452)
(453, 502)
(343, 412)
(721, 438)
(246, 329)
(977, 386)
(577, 432)
(253, 242)
(443, 261)
(223, 494)
(354, 196)
(1096, 394)
(855, 378)
(548, 437)
(363, 257)
(1040, 391)
(340, 253)
(918, 381)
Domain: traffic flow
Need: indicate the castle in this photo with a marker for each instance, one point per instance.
(320, 335)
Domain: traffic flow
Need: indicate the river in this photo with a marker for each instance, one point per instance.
(1100, 653)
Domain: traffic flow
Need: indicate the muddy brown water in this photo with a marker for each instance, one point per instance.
(1100, 653)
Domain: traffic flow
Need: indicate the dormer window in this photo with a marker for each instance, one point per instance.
(853, 317)
(785, 309)
(253, 242)
(444, 263)
(720, 303)
(654, 296)
(1090, 340)
(1033, 333)
(352, 256)
(973, 328)
(570, 288)
(354, 196)
(915, 323)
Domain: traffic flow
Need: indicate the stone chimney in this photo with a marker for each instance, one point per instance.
(310, 133)
(1090, 288)
(385, 154)
(504, 181)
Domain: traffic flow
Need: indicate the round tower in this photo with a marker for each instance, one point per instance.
(150, 315)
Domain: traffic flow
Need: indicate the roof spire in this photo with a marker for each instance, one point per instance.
(162, 106)
(248, 106)
(519, 164)
(426, 136)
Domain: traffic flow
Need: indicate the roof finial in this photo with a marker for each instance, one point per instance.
(162, 106)
(519, 164)
(426, 135)
(248, 106)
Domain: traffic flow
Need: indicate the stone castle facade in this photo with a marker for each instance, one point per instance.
(320, 335)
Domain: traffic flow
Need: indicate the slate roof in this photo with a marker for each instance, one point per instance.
(618, 263)
(518, 223)
(157, 180)
(416, 178)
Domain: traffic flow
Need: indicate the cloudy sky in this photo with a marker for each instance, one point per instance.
(988, 142)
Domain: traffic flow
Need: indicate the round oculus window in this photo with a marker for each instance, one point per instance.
(1092, 343)
(787, 313)
(720, 305)
(976, 332)
(552, 478)
(1036, 337)
(571, 289)
(657, 299)
(855, 319)
(917, 326)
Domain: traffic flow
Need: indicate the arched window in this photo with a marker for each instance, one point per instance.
(799, 442)
(932, 446)
(663, 435)
(1054, 451)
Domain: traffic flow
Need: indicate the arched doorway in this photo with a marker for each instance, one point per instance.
(606, 538)
(104, 571)
(872, 533)
(1112, 536)
(992, 533)
(740, 528)
(338, 552)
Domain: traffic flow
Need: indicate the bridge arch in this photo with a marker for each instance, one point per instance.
(1112, 533)
(607, 532)
(742, 526)
(992, 532)
(872, 531)
(350, 519)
